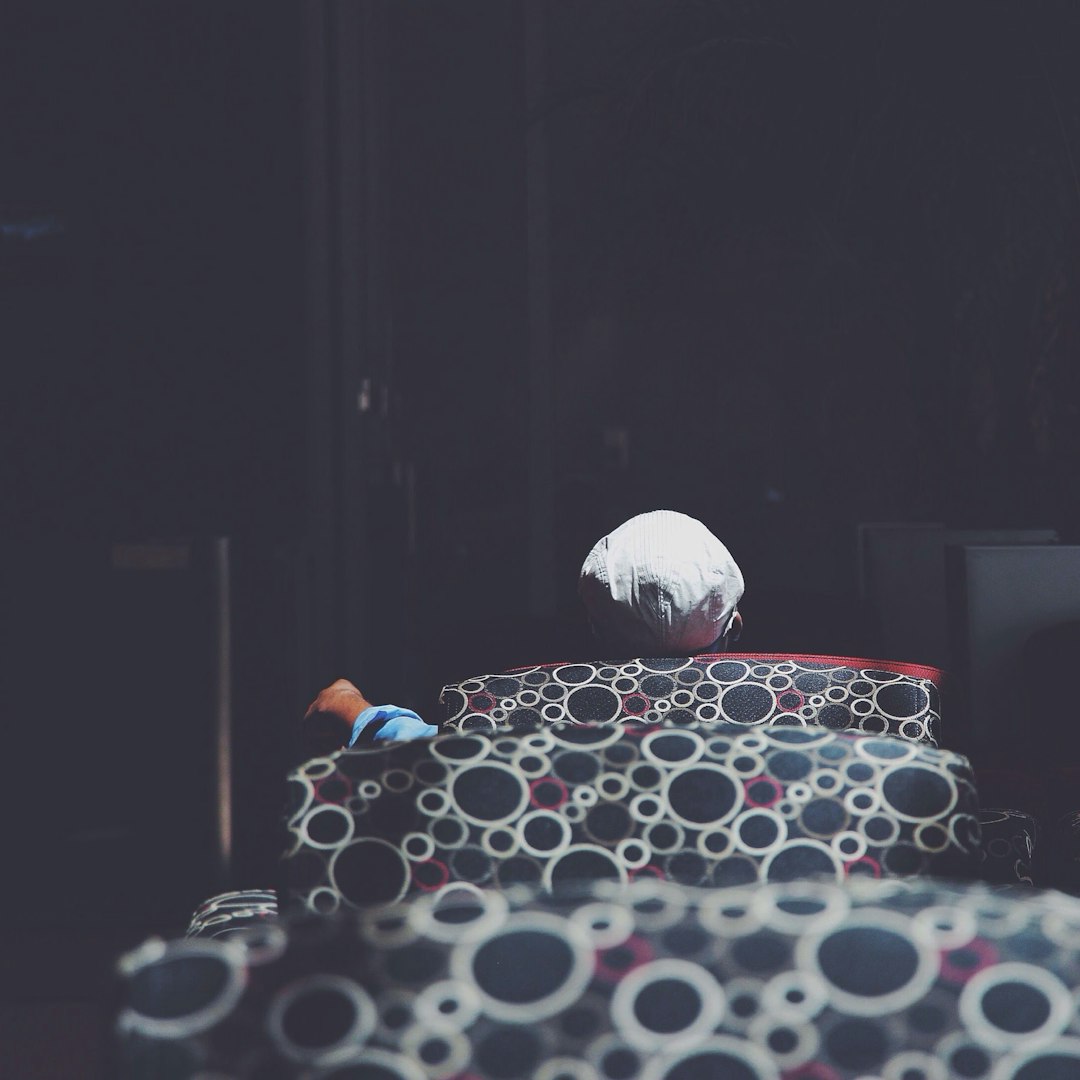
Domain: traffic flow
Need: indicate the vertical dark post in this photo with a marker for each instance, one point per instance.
(356, 391)
(317, 621)
(538, 270)
(346, 320)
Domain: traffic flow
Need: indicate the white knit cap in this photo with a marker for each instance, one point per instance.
(661, 584)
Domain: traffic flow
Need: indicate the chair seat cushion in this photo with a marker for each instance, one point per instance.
(836, 692)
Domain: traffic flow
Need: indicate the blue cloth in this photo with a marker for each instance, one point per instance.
(388, 723)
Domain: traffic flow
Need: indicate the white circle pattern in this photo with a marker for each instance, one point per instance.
(658, 977)
(676, 804)
(842, 693)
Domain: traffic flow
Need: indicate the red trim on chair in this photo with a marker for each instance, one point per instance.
(916, 671)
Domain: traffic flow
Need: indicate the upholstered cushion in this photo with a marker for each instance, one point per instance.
(911, 980)
(837, 692)
(1008, 846)
(232, 912)
(704, 805)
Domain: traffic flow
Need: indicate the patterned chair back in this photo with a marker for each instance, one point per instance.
(841, 693)
(701, 804)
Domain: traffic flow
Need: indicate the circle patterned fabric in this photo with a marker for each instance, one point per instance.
(892, 980)
(700, 806)
(838, 693)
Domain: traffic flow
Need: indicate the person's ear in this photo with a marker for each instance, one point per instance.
(734, 630)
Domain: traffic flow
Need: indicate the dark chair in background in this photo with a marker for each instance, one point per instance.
(841, 693)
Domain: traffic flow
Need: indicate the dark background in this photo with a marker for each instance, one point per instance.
(415, 301)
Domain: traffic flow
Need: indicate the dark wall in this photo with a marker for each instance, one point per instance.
(456, 104)
(151, 329)
(811, 265)
(151, 387)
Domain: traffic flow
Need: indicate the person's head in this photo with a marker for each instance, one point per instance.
(662, 585)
